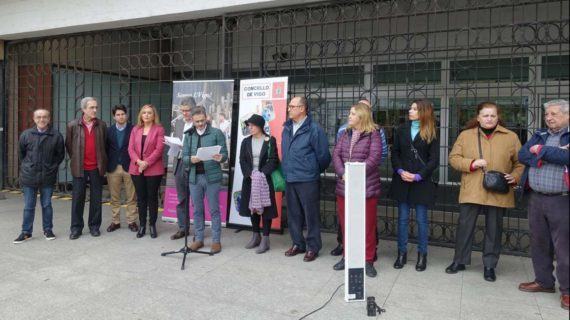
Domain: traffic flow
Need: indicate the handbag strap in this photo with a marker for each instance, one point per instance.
(416, 154)
(479, 144)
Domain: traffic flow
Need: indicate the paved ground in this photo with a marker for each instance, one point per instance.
(118, 276)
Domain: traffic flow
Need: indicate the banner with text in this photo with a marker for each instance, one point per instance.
(268, 98)
(216, 96)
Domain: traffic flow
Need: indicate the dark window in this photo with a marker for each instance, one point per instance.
(556, 68)
(407, 73)
(508, 69)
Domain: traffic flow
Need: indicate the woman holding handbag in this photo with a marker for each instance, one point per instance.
(415, 157)
(486, 154)
(258, 160)
(360, 143)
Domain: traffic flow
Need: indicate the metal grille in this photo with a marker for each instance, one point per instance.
(455, 53)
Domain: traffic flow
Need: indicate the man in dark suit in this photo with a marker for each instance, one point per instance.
(118, 169)
(180, 176)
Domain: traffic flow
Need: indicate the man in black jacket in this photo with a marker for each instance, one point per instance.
(118, 161)
(41, 152)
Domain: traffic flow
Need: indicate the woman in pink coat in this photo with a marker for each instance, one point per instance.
(145, 149)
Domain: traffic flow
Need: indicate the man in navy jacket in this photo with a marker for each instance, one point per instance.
(546, 157)
(306, 155)
(118, 136)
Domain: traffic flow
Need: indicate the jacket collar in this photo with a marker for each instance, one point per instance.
(95, 121)
(49, 131)
(289, 124)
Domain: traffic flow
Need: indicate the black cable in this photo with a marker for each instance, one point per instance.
(324, 305)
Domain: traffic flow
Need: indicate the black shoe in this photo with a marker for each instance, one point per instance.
(141, 233)
(421, 263)
(49, 235)
(152, 231)
(401, 260)
(74, 235)
(339, 265)
(370, 270)
(454, 268)
(489, 274)
(337, 251)
(95, 232)
(22, 237)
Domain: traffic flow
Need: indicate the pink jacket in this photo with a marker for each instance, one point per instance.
(152, 153)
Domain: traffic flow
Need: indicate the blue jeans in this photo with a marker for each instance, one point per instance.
(30, 197)
(197, 192)
(403, 223)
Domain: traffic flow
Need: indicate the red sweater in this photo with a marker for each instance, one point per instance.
(89, 155)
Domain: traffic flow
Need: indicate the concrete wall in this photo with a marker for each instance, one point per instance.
(21, 19)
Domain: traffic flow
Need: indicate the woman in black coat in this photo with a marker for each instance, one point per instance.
(415, 157)
(259, 152)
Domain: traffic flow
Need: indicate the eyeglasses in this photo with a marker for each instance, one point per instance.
(294, 106)
(200, 121)
(188, 110)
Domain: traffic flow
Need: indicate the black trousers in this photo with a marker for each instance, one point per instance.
(468, 214)
(147, 197)
(78, 200)
(256, 221)
(183, 195)
(303, 208)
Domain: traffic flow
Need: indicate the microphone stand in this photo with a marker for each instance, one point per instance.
(185, 250)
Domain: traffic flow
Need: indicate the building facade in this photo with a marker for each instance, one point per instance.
(455, 53)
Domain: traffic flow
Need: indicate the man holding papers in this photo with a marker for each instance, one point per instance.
(205, 175)
(181, 176)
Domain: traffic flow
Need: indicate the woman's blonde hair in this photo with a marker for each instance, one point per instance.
(427, 119)
(140, 122)
(364, 113)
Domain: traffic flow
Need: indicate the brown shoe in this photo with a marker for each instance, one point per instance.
(534, 287)
(216, 248)
(178, 235)
(113, 227)
(133, 227)
(196, 245)
(293, 251)
(310, 256)
(564, 301)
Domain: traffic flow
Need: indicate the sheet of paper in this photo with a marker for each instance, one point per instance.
(170, 141)
(175, 145)
(207, 153)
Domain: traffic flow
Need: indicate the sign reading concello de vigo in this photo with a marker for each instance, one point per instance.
(266, 97)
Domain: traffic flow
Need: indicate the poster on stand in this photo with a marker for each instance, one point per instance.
(266, 97)
(216, 96)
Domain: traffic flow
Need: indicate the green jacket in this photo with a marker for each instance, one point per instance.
(212, 137)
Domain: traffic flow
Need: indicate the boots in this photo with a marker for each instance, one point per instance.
(401, 260)
(142, 231)
(421, 263)
(264, 246)
(254, 241)
(152, 230)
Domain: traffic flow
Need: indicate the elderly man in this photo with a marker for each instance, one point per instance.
(180, 175)
(546, 157)
(41, 152)
(306, 154)
(85, 144)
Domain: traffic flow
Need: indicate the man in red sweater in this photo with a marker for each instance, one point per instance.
(85, 144)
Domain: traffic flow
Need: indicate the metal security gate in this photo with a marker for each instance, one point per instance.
(455, 53)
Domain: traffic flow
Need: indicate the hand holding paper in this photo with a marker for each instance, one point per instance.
(208, 153)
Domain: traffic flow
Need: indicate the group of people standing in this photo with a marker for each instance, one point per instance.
(132, 156)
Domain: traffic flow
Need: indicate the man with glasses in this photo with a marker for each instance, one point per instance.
(305, 151)
(180, 175)
(41, 152)
(547, 158)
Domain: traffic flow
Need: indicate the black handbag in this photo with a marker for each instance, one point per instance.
(493, 181)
